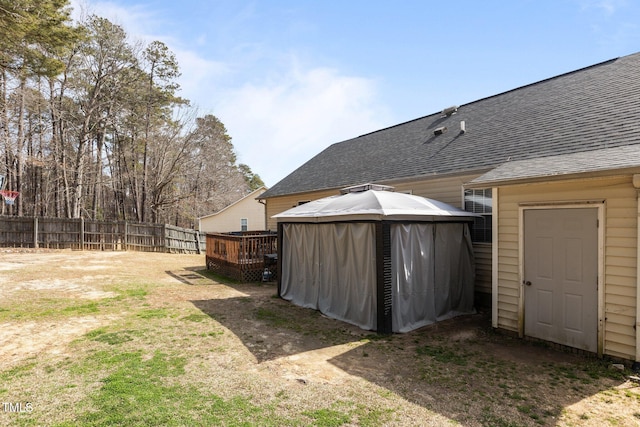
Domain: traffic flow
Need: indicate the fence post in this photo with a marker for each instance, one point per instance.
(35, 232)
(196, 234)
(81, 233)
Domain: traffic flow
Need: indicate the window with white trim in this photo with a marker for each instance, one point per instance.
(244, 224)
(479, 201)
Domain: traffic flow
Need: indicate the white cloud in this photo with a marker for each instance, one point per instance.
(277, 119)
(613, 25)
(609, 7)
(136, 20)
(141, 24)
(279, 125)
(199, 76)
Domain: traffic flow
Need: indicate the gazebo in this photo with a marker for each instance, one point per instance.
(384, 261)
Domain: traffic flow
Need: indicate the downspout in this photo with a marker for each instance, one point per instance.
(636, 185)
(266, 217)
(494, 257)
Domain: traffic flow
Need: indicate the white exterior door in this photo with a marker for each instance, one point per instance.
(561, 276)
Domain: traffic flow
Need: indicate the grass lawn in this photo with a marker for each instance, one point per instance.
(132, 339)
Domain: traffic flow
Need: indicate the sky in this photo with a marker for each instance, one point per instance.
(288, 78)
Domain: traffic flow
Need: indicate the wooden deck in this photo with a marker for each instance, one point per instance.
(240, 255)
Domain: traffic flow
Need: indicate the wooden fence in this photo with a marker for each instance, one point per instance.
(79, 234)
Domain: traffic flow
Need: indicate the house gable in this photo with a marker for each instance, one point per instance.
(248, 208)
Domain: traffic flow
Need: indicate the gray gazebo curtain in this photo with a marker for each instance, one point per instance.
(432, 273)
(331, 268)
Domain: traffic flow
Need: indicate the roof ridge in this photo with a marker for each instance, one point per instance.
(543, 81)
(492, 96)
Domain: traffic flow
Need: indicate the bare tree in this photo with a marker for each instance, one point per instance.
(91, 124)
(213, 180)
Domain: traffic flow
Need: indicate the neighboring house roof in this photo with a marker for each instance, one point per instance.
(593, 108)
(254, 194)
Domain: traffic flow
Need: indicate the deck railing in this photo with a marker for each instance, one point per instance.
(240, 255)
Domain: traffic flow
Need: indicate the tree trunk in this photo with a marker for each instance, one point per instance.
(19, 165)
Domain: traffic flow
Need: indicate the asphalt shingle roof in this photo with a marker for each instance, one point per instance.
(593, 108)
(606, 159)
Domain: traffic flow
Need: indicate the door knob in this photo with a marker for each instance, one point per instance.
(528, 283)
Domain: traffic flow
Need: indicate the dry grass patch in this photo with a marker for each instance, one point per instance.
(166, 343)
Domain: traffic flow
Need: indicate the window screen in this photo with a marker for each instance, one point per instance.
(479, 201)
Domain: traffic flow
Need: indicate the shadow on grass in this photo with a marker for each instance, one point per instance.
(272, 328)
(466, 371)
(460, 368)
(198, 276)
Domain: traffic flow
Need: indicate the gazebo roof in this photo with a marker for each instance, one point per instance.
(374, 205)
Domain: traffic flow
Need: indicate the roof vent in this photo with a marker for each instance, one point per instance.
(440, 130)
(364, 187)
(463, 126)
(449, 111)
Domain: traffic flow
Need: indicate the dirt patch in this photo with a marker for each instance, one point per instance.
(27, 276)
(241, 340)
(25, 340)
(61, 288)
